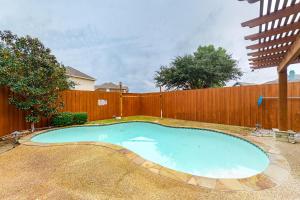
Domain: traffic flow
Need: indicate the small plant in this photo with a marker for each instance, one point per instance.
(62, 119)
(80, 118)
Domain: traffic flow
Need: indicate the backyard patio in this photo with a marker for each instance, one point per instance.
(66, 172)
(192, 137)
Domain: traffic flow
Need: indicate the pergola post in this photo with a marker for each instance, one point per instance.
(282, 102)
(290, 55)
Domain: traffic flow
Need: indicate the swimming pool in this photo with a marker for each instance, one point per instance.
(194, 151)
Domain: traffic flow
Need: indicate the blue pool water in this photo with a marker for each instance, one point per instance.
(194, 151)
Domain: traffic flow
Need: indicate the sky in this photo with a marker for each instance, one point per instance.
(128, 40)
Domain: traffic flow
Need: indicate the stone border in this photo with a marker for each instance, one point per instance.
(276, 173)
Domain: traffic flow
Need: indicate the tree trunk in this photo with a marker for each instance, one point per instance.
(32, 127)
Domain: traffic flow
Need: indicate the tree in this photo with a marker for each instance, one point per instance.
(33, 76)
(207, 67)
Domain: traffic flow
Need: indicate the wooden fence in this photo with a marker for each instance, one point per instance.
(230, 105)
(12, 119)
(131, 104)
(87, 101)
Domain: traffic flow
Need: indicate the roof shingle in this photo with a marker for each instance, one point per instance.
(76, 73)
(110, 85)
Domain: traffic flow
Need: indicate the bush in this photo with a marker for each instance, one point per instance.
(67, 119)
(80, 118)
(62, 119)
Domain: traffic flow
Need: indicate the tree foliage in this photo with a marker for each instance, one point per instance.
(207, 67)
(32, 74)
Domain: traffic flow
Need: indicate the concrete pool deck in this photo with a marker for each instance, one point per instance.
(56, 172)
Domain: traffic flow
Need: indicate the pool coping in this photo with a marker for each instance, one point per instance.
(275, 174)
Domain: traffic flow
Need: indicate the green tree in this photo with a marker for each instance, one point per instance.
(207, 67)
(33, 76)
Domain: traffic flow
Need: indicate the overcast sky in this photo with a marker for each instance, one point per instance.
(128, 40)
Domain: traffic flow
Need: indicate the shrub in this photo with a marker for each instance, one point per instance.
(80, 118)
(62, 119)
(67, 119)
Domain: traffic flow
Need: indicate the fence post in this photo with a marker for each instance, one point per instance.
(121, 100)
(160, 95)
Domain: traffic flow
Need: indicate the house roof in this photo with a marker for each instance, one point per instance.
(250, 1)
(78, 74)
(242, 84)
(295, 79)
(110, 85)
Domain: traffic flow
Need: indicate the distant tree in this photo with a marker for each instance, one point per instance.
(207, 67)
(33, 76)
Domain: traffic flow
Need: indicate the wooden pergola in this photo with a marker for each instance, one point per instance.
(277, 44)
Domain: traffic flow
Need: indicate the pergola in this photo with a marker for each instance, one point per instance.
(277, 44)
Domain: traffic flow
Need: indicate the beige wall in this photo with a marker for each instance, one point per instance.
(83, 84)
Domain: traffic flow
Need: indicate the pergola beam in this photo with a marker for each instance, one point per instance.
(266, 63)
(273, 56)
(273, 42)
(270, 63)
(267, 58)
(260, 67)
(274, 61)
(269, 51)
(273, 16)
(275, 31)
(291, 55)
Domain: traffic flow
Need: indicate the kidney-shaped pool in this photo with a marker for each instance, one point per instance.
(194, 151)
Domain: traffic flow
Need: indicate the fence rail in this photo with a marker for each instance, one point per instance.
(230, 105)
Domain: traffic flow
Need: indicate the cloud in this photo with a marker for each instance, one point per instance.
(129, 40)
